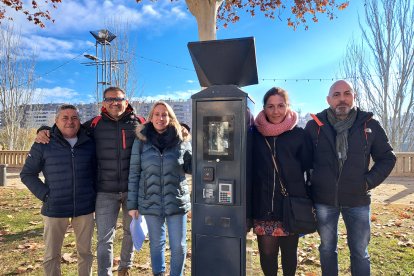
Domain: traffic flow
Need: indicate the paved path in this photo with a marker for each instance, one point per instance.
(395, 190)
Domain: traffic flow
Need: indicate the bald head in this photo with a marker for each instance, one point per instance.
(341, 85)
(341, 98)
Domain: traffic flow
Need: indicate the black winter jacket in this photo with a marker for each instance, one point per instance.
(349, 187)
(69, 186)
(293, 152)
(114, 141)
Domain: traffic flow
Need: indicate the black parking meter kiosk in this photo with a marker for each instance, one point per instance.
(222, 121)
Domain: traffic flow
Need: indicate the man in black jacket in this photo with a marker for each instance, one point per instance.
(114, 134)
(68, 191)
(345, 138)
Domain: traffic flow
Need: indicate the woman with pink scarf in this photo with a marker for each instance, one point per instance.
(276, 133)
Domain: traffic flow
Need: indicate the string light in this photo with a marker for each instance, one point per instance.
(192, 70)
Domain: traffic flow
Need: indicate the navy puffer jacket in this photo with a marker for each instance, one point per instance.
(157, 184)
(69, 186)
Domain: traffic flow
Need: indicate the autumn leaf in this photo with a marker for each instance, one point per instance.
(116, 261)
(67, 258)
(146, 266)
(70, 245)
(408, 243)
(30, 246)
(404, 215)
(398, 223)
(22, 269)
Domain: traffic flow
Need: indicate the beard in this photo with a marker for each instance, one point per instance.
(342, 110)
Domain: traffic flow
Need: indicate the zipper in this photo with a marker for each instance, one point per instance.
(73, 181)
(337, 184)
(162, 181)
(365, 152)
(274, 176)
(118, 154)
(123, 139)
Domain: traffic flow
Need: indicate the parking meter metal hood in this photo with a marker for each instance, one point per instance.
(225, 62)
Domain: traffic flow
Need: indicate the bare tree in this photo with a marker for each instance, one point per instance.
(381, 67)
(16, 85)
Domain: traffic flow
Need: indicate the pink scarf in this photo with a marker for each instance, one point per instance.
(267, 128)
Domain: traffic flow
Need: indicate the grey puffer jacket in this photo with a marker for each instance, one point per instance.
(157, 184)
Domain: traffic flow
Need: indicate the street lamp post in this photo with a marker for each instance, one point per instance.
(103, 61)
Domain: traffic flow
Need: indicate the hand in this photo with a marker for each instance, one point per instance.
(184, 132)
(43, 137)
(133, 213)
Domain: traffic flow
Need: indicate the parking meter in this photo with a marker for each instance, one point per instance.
(222, 121)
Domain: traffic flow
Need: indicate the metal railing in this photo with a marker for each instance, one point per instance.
(403, 167)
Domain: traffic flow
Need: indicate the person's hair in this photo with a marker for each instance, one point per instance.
(276, 91)
(173, 118)
(64, 107)
(114, 89)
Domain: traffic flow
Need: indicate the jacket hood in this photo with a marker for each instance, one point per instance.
(141, 134)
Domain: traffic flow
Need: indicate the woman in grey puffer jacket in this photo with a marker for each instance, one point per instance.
(157, 186)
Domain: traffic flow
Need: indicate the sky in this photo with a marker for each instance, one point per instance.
(304, 62)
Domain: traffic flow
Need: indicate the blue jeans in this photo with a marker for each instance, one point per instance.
(106, 215)
(177, 229)
(358, 226)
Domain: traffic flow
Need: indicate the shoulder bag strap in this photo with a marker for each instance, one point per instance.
(282, 187)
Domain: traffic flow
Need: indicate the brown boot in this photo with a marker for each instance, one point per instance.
(124, 272)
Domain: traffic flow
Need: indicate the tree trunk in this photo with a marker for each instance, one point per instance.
(205, 12)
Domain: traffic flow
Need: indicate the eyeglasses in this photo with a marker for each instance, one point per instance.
(111, 100)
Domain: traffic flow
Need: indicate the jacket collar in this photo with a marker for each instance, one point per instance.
(328, 130)
(82, 137)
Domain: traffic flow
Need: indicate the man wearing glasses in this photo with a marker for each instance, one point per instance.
(114, 134)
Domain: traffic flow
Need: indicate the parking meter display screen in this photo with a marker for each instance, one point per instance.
(218, 137)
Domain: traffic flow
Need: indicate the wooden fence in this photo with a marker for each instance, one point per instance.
(403, 167)
(13, 158)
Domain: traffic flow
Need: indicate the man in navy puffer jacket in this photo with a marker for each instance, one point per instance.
(68, 191)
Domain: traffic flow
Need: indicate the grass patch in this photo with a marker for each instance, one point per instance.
(21, 244)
